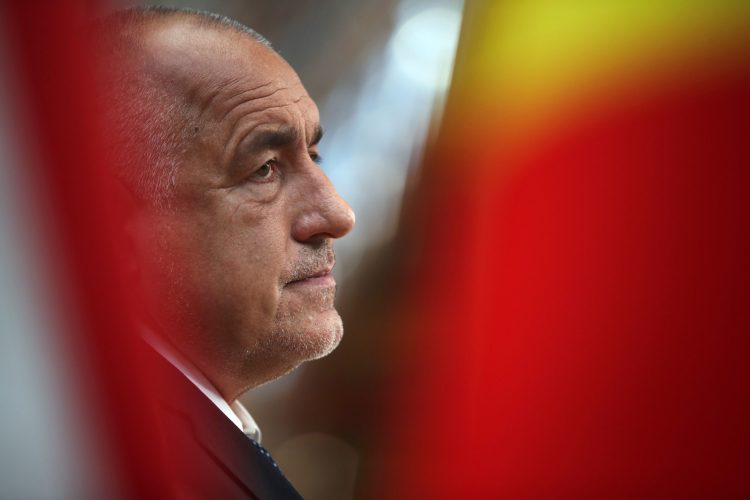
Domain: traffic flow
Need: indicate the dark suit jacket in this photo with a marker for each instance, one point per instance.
(206, 455)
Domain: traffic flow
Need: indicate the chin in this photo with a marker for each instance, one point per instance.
(292, 341)
(329, 338)
(307, 336)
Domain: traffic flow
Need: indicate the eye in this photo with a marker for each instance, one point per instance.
(266, 172)
(315, 156)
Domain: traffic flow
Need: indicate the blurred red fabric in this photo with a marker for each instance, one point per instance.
(576, 322)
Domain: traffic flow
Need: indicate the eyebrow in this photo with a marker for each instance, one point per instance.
(317, 135)
(279, 138)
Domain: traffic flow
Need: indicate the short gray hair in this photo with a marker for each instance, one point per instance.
(151, 125)
(140, 14)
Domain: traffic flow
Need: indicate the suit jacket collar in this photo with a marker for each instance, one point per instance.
(217, 435)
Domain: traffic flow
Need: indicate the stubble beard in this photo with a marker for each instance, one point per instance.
(305, 326)
(307, 331)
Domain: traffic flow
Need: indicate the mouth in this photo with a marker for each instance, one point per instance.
(321, 277)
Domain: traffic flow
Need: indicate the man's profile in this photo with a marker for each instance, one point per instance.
(232, 231)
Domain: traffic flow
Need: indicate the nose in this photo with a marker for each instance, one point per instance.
(323, 214)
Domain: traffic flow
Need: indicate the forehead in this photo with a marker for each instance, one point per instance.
(218, 70)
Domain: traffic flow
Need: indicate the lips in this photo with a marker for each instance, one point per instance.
(320, 276)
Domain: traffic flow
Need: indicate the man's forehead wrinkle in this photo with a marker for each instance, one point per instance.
(254, 108)
(236, 139)
(218, 91)
(241, 96)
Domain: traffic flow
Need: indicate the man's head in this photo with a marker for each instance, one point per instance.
(234, 232)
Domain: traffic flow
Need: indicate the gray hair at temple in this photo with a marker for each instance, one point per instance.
(150, 125)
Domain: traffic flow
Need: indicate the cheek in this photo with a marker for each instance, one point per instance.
(249, 252)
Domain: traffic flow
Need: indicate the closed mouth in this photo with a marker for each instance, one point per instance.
(322, 276)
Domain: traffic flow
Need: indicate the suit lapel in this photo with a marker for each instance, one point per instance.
(218, 436)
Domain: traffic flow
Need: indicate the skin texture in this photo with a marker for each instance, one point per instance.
(228, 268)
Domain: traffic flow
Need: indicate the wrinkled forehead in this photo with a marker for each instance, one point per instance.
(208, 64)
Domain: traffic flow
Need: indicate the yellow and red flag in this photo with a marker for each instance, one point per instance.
(576, 315)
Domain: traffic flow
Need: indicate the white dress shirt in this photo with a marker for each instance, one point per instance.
(234, 411)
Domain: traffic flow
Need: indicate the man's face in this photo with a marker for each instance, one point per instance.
(245, 257)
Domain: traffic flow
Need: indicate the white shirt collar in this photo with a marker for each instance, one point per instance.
(235, 411)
